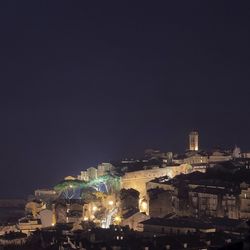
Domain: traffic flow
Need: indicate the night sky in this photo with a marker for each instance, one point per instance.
(83, 83)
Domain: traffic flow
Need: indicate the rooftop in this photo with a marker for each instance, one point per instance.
(210, 190)
(181, 222)
(13, 235)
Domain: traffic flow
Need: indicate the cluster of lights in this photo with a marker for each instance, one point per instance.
(119, 237)
(111, 203)
(163, 180)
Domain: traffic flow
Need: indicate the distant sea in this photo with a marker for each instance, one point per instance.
(11, 210)
(10, 215)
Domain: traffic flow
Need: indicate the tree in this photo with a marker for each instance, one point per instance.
(88, 195)
(129, 198)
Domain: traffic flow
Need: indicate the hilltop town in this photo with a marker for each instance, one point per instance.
(204, 195)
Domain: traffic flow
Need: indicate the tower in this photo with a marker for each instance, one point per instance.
(194, 141)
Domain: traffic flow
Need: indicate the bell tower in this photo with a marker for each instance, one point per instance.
(193, 141)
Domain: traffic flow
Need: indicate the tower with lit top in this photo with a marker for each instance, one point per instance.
(194, 141)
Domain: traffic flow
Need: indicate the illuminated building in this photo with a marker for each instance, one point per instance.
(104, 168)
(133, 219)
(45, 194)
(47, 218)
(245, 201)
(138, 179)
(34, 207)
(194, 141)
(28, 225)
(219, 156)
(92, 173)
(83, 176)
(213, 202)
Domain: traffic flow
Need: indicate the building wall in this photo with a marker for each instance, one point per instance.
(215, 205)
(46, 217)
(219, 157)
(230, 206)
(104, 168)
(29, 226)
(204, 204)
(196, 159)
(135, 220)
(138, 179)
(83, 176)
(92, 173)
(161, 204)
(164, 186)
(5, 229)
(14, 242)
(45, 194)
(245, 203)
(167, 230)
(246, 155)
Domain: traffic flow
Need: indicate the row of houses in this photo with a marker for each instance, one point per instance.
(202, 198)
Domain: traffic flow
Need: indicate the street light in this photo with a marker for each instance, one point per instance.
(111, 203)
(117, 219)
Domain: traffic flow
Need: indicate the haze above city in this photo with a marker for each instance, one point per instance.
(84, 83)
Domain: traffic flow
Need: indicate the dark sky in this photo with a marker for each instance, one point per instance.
(83, 83)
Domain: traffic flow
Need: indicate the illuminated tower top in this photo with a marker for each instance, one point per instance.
(194, 141)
